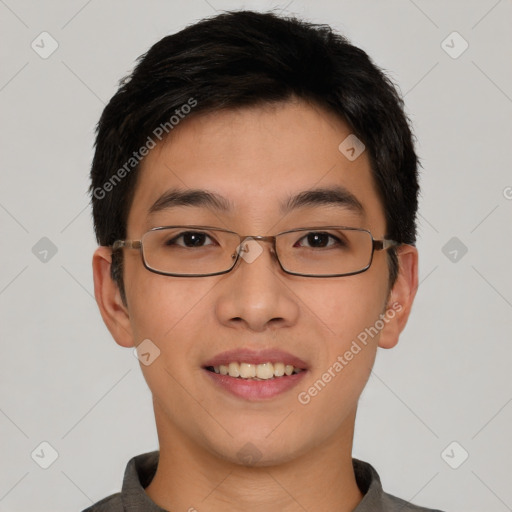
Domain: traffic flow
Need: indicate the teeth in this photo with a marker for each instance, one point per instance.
(247, 371)
(262, 371)
(234, 369)
(265, 371)
(278, 369)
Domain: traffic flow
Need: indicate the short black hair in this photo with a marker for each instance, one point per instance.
(241, 59)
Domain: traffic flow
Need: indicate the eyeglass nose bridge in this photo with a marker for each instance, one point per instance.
(242, 247)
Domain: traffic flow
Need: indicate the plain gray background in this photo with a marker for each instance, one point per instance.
(65, 382)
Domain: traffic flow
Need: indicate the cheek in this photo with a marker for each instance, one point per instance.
(169, 312)
(160, 306)
(346, 317)
(343, 307)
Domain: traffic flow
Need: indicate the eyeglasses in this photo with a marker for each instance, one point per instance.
(197, 251)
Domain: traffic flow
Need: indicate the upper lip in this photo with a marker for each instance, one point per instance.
(256, 357)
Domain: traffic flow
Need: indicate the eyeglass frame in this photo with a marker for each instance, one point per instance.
(377, 245)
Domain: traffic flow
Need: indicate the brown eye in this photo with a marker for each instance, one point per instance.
(320, 240)
(189, 239)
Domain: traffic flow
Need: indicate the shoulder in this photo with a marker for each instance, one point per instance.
(138, 474)
(375, 498)
(395, 503)
(111, 503)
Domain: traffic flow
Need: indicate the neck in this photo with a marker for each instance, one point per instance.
(190, 478)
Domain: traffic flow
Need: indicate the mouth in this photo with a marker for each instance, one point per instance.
(265, 371)
(255, 375)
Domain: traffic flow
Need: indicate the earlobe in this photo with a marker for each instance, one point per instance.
(401, 297)
(108, 297)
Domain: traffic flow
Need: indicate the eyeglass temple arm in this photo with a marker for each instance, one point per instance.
(129, 244)
(379, 245)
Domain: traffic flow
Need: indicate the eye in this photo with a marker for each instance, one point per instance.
(320, 240)
(189, 239)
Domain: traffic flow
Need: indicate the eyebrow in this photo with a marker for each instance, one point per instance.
(327, 196)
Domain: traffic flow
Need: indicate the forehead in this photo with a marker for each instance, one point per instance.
(252, 164)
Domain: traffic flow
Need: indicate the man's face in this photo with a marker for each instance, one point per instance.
(256, 159)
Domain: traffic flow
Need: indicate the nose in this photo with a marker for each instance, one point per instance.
(254, 294)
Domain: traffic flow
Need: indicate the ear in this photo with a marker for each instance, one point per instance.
(401, 297)
(114, 313)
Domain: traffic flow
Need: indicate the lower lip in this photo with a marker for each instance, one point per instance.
(256, 389)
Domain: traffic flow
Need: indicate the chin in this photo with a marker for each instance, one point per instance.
(258, 451)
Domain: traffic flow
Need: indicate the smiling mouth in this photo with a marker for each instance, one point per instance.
(248, 371)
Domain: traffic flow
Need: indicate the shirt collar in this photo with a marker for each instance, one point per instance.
(141, 469)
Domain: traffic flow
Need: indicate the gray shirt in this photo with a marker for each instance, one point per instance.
(141, 469)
